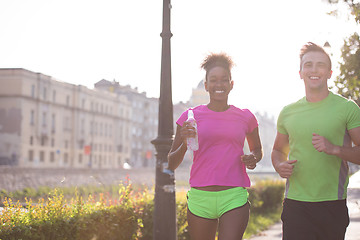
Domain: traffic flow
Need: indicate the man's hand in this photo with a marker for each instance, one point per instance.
(285, 169)
(321, 144)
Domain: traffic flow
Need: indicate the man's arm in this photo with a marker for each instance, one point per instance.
(279, 156)
(350, 154)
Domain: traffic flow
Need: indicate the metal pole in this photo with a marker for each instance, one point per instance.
(165, 206)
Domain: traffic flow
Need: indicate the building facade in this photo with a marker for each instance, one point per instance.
(144, 122)
(48, 123)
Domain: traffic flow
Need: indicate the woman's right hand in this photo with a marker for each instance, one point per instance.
(187, 131)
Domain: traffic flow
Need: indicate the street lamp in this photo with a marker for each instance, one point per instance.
(327, 45)
(327, 48)
(165, 206)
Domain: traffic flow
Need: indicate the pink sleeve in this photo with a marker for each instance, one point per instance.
(253, 123)
(182, 118)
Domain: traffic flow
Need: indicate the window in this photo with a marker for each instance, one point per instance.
(44, 119)
(82, 131)
(44, 93)
(53, 142)
(119, 148)
(53, 118)
(54, 96)
(67, 124)
(33, 91)
(91, 127)
(80, 158)
(31, 155)
(66, 158)
(42, 156)
(52, 157)
(67, 100)
(31, 140)
(81, 144)
(43, 140)
(32, 117)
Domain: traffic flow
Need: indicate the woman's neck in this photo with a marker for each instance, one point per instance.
(218, 107)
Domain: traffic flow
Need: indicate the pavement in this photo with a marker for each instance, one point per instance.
(353, 203)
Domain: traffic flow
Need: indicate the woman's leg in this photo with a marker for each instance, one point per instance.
(233, 223)
(201, 228)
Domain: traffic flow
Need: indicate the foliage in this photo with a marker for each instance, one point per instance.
(128, 216)
(353, 5)
(266, 199)
(348, 83)
(68, 192)
(56, 218)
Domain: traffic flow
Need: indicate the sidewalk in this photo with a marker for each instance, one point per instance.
(353, 203)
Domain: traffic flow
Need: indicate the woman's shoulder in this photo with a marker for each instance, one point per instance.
(244, 111)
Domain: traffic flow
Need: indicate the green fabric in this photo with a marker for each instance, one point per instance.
(318, 176)
(212, 205)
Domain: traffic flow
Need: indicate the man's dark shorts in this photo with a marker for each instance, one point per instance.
(314, 220)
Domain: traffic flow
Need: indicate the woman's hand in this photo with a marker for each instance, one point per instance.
(187, 131)
(249, 160)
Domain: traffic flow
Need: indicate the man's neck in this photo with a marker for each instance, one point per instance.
(316, 96)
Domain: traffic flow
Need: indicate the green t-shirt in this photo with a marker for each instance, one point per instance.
(318, 176)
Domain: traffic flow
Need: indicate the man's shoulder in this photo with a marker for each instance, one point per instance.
(293, 105)
(345, 102)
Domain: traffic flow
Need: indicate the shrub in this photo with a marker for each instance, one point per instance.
(129, 216)
(266, 196)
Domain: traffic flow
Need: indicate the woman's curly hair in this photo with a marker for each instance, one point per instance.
(217, 60)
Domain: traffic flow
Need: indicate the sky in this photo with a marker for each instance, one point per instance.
(84, 41)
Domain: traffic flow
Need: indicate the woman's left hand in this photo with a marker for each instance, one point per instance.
(249, 160)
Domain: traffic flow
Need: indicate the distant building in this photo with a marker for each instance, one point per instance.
(199, 95)
(47, 123)
(144, 121)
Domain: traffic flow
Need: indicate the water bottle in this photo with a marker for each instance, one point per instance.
(193, 142)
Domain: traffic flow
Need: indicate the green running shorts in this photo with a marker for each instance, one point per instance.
(212, 205)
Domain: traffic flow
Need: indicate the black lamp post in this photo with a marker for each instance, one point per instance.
(165, 208)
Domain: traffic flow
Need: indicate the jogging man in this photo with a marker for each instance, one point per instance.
(311, 150)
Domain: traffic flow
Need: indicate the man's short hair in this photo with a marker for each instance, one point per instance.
(312, 47)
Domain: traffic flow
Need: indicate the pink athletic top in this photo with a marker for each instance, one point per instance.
(221, 142)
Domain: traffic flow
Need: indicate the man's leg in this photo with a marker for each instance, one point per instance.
(332, 219)
(297, 223)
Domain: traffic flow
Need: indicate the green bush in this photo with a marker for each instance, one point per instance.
(266, 196)
(128, 216)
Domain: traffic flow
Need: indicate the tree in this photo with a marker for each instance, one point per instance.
(348, 82)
